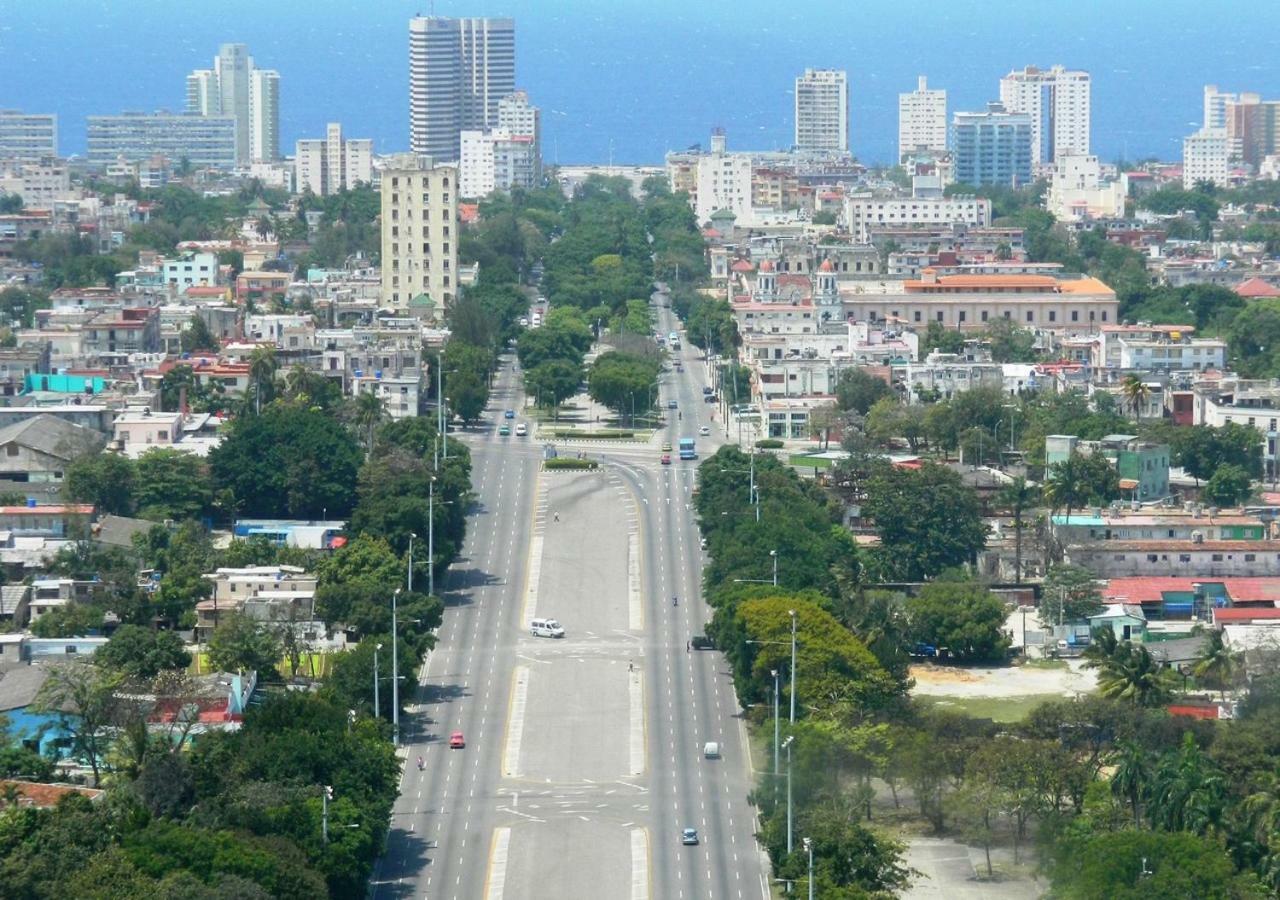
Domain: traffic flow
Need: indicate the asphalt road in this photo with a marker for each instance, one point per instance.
(584, 755)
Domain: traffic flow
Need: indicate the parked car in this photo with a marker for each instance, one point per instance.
(546, 628)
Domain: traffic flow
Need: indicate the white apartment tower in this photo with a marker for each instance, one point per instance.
(251, 96)
(1205, 157)
(1057, 100)
(922, 121)
(329, 164)
(822, 110)
(517, 116)
(495, 160)
(27, 136)
(459, 71)
(419, 236)
(1215, 106)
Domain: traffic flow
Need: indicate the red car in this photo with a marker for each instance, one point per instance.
(456, 741)
(666, 459)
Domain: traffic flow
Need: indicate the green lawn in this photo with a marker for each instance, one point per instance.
(998, 709)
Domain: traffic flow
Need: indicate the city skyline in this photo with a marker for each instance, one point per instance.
(645, 84)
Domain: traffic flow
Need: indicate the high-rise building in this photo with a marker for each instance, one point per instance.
(1253, 127)
(1205, 157)
(922, 121)
(495, 161)
(1215, 106)
(329, 164)
(1057, 100)
(27, 136)
(992, 147)
(235, 87)
(518, 116)
(200, 141)
(419, 235)
(459, 71)
(822, 110)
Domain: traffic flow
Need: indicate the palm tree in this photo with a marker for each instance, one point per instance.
(262, 369)
(1131, 673)
(1135, 390)
(1017, 496)
(1218, 663)
(1188, 792)
(369, 412)
(1132, 777)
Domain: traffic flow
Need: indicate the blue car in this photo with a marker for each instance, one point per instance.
(509, 414)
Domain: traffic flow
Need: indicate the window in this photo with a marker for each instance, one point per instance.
(939, 315)
(984, 315)
(1217, 557)
(1075, 315)
(962, 315)
(1030, 316)
(1053, 315)
(11, 450)
(1184, 557)
(1250, 557)
(917, 315)
(1151, 557)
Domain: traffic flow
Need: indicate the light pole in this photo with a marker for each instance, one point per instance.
(793, 669)
(377, 707)
(395, 673)
(775, 673)
(409, 587)
(431, 536)
(774, 555)
(786, 745)
(444, 442)
(808, 847)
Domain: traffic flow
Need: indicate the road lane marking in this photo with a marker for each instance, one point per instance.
(639, 864)
(515, 722)
(496, 879)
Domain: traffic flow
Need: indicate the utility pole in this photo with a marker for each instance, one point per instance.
(395, 672)
(793, 679)
(776, 754)
(431, 536)
(377, 707)
(808, 846)
(774, 554)
(326, 795)
(786, 745)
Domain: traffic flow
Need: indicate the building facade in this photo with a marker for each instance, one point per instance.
(1058, 102)
(419, 236)
(235, 88)
(1205, 157)
(822, 110)
(27, 136)
(495, 160)
(993, 147)
(330, 164)
(863, 212)
(459, 71)
(723, 181)
(202, 141)
(922, 121)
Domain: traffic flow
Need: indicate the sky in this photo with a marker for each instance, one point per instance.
(626, 81)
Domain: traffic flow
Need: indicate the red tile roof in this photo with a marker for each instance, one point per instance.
(1246, 614)
(1256, 287)
(45, 796)
(1150, 589)
(742, 265)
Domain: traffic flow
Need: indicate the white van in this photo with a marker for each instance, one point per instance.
(546, 628)
(711, 750)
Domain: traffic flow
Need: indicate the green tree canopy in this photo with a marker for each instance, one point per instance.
(928, 520)
(964, 617)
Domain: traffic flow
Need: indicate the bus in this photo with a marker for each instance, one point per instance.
(686, 448)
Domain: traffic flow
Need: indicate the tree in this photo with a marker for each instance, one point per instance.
(1253, 337)
(287, 462)
(1070, 594)
(1218, 665)
(941, 338)
(262, 371)
(1017, 497)
(369, 412)
(1010, 342)
(1081, 480)
(963, 617)
(103, 479)
(622, 381)
(1129, 672)
(552, 382)
(468, 394)
(1187, 791)
(1137, 393)
(172, 485)
(241, 643)
(82, 696)
(197, 336)
(889, 418)
(859, 390)
(1131, 778)
(1203, 449)
(141, 652)
(70, 620)
(1230, 485)
(928, 520)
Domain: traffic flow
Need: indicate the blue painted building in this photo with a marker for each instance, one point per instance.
(992, 147)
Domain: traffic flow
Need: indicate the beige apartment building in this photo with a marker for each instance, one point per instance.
(419, 236)
(970, 302)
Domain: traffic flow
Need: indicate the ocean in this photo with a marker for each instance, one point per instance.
(627, 81)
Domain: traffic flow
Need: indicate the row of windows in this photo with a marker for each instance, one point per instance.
(395, 181)
(963, 315)
(1186, 557)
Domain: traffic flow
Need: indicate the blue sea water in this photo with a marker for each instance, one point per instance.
(630, 80)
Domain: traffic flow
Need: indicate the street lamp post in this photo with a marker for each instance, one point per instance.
(445, 432)
(774, 554)
(395, 672)
(786, 745)
(377, 707)
(808, 847)
(431, 536)
(775, 673)
(793, 666)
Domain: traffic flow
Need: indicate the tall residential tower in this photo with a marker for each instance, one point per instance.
(922, 121)
(459, 70)
(1057, 100)
(235, 87)
(822, 110)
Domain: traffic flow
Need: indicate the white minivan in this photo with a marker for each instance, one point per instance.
(546, 628)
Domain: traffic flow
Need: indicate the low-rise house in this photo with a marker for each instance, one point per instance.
(53, 520)
(1143, 466)
(139, 429)
(1126, 621)
(1192, 523)
(268, 593)
(39, 795)
(1188, 559)
(40, 449)
(293, 532)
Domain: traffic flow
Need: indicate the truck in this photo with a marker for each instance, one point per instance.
(687, 450)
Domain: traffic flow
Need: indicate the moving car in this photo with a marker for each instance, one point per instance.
(666, 446)
(711, 750)
(707, 390)
(509, 414)
(521, 430)
(689, 836)
(456, 741)
(504, 430)
(666, 459)
(524, 321)
(704, 430)
(702, 642)
(671, 404)
(546, 628)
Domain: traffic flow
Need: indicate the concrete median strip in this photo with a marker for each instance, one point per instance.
(636, 606)
(636, 691)
(515, 722)
(496, 882)
(639, 864)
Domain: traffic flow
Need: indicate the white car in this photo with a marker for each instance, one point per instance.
(521, 430)
(704, 430)
(546, 628)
